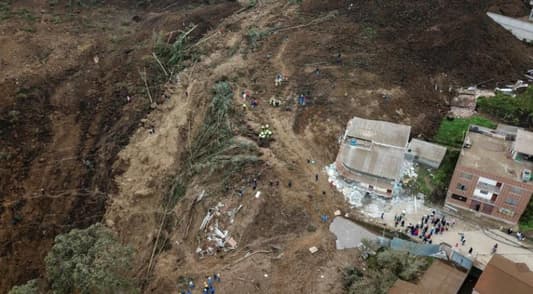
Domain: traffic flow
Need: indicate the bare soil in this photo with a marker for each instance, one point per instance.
(74, 152)
(64, 115)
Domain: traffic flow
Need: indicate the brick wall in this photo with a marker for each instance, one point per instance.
(505, 193)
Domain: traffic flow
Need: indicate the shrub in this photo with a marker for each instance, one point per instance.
(254, 35)
(29, 288)
(91, 260)
(383, 270)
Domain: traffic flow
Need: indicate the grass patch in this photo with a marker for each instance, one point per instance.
(516, 110)
(452, 132)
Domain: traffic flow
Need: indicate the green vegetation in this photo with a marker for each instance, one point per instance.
(368, 32)
(79, 3)
(254, 35)
(383, 270)
(516, 110)
(442, 176)
(172, 56)
(91, 260)
(216, 131)
(6, 12)
(422, 182)
(452, 132)
(526, 220)
(252, 3)
(30, 287)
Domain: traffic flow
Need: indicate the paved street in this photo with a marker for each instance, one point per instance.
(481, 241)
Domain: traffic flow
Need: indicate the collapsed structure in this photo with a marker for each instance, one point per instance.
(493, 173)
(373, 152)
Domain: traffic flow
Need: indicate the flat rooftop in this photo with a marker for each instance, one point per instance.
(380, 161)
(492, 154)
(378, 131)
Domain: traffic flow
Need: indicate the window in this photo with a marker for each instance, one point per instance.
(461, 187)
(506, 211)
(465, 176)
(459, 197)
(511, 201)
(516, 190)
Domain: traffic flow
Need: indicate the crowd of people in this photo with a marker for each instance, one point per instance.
(429, 225)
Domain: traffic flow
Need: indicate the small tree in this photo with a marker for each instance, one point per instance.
(91, 260)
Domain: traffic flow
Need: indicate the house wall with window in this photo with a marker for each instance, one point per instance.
(495, 196)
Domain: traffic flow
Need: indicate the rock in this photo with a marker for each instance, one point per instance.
(143, 193)
(110, 223)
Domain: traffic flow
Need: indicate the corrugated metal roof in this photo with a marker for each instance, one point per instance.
(524, 142)
(426, 150)
(380, 161)
(379, 131)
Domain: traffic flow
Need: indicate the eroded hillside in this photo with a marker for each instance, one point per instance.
(76, 150)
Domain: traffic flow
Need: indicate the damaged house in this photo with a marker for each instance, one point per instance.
(373, 152)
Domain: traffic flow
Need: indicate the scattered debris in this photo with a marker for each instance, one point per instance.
(217, 237)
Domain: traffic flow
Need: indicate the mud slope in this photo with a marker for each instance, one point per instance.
(64, 113)
(410, 53)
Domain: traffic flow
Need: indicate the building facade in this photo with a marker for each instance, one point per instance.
(489, 178)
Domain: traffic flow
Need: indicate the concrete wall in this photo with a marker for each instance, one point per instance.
(521, 29)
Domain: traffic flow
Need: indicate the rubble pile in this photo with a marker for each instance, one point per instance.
(215, 229)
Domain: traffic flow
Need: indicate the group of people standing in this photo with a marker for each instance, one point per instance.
(209, 287)
(429, 226)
